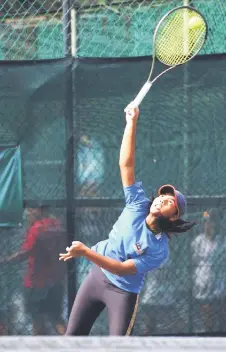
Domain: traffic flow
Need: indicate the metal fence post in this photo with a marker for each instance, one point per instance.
(69, 148)
(66, 5)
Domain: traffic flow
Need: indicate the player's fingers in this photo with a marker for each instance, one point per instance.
(128, 109)
(70, 257)
(131, 105)
(63, 254)
(132, 112)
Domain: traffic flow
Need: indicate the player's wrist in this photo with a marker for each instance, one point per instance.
(86, 251)
(131, 124)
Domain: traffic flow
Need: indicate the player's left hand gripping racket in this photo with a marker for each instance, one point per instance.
(178, 38)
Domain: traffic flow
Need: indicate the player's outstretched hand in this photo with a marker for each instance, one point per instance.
(76, 250)
(132, 112)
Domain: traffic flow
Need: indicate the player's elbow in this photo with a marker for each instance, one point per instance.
(126, 268)
(126, 164)
(118, 273)
(117, 269)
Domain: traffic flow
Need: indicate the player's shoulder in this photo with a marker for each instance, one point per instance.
(137, 186)
(135, 192)
(158, 242)
(158, 251)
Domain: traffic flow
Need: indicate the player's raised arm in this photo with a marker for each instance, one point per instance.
(127, 151)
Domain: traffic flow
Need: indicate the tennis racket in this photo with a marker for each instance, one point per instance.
(178, 38)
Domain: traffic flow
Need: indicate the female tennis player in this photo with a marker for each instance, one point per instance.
(137, 244)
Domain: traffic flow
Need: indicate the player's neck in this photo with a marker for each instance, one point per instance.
(152, 223)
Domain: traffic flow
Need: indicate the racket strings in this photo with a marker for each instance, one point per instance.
(182, 44)
(175, 42)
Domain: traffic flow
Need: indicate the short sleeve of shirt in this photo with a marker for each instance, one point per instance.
(145, 263)
(135, 196)
(100, 247)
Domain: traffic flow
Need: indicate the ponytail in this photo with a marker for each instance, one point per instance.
(177, 226)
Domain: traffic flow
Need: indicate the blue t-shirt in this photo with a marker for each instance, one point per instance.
(130, 238)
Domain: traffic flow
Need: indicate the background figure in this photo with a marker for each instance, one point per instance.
(163, 293)
(44, 277)
(208, 274)
(90, 166)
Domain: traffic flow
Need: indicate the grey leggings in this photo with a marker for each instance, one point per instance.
(96, 293)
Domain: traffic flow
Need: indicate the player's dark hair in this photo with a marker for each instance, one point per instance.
(176, 226)
(172, 227)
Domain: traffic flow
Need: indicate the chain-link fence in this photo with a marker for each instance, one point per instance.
(66, 115)
(33, 115)
(187, 295)
(99, 28)
(180, 120)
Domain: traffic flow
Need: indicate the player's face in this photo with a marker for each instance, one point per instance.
(164, 205)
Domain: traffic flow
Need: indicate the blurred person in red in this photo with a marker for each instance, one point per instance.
(44, 277)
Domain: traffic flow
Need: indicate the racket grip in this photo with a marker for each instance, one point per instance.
(142, 93)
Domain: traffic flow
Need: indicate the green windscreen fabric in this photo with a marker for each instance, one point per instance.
(68, 118)
(11, 204)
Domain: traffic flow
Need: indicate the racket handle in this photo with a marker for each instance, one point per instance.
(142, 93)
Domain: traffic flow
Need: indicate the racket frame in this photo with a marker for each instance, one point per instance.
(147, 85)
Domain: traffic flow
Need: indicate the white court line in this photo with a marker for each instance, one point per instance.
(110, 344)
